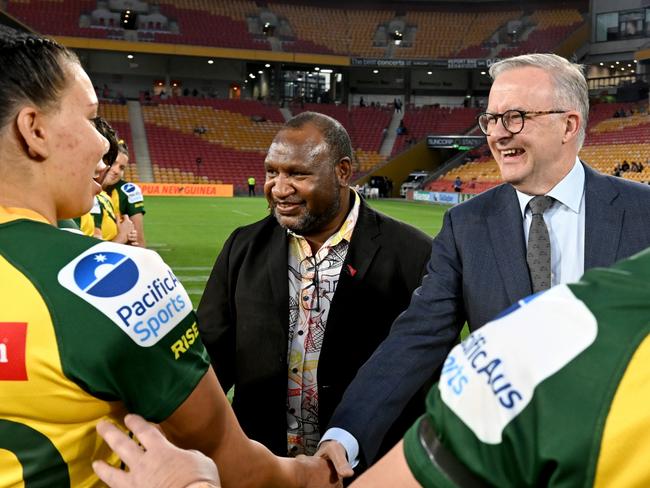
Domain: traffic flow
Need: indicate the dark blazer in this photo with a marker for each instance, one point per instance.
(244, 316)
(477, 269)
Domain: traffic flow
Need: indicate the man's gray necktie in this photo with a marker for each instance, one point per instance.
(539, 245)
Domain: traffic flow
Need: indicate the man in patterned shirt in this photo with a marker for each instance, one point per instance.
(298, 301)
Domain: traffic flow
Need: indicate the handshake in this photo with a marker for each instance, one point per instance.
(157, 463)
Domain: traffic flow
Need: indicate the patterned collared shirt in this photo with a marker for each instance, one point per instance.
(312, 283)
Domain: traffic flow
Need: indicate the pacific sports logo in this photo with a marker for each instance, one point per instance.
(107, 274)
(133, 192)
(131, 286)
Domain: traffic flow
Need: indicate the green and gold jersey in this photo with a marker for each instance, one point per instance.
(86, 224)
(127, 198)
(553, 393)
(88, 330)
(104, 216)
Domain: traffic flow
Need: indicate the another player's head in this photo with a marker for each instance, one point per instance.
(536, 118)
(115, 158)
(308, 168)
(49, 146)
(116, 171)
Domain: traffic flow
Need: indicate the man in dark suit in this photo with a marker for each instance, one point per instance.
(298, 301)
(493, 250)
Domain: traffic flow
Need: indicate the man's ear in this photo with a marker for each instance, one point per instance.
(344, 171)
(572, 127)
(30, 124)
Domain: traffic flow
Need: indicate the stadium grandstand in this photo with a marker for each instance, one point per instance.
(198, 88)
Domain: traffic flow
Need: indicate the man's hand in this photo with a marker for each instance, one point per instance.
(158, 464)
(315, 472)
(334, 452)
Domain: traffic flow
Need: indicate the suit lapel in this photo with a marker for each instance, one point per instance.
(278, 269)
(363, 245)
(603, 220)
(505, 226)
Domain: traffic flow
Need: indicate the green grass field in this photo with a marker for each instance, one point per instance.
(189, 232)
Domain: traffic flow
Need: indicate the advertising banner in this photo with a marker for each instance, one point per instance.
(186, 190)
(436, 197)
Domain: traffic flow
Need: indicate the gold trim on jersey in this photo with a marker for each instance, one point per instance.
(624, 447)
(9, 214)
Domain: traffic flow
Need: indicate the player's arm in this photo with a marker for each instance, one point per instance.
(390, 471)
(138, 223)
(206, 422)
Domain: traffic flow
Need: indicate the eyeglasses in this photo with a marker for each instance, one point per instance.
(512, 120)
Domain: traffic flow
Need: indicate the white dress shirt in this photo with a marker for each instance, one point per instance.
(565, 220)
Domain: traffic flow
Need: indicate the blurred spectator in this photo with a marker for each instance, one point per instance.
(458, 184)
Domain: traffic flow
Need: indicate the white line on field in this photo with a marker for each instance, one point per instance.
(241, 213)
(192, 268)
(194, 291)
(190, 279)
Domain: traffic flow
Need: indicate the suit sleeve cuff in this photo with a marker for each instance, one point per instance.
(348, 442)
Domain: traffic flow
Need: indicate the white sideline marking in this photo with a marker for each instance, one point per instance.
(192, 279)
(241, 213)
(194, 291)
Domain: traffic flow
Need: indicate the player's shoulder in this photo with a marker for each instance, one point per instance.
(133, 287)
(130, 189)
(500, 365)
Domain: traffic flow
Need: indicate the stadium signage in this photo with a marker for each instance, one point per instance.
(186, 190)
(436, 197)
(455, 142)
(460, 63)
